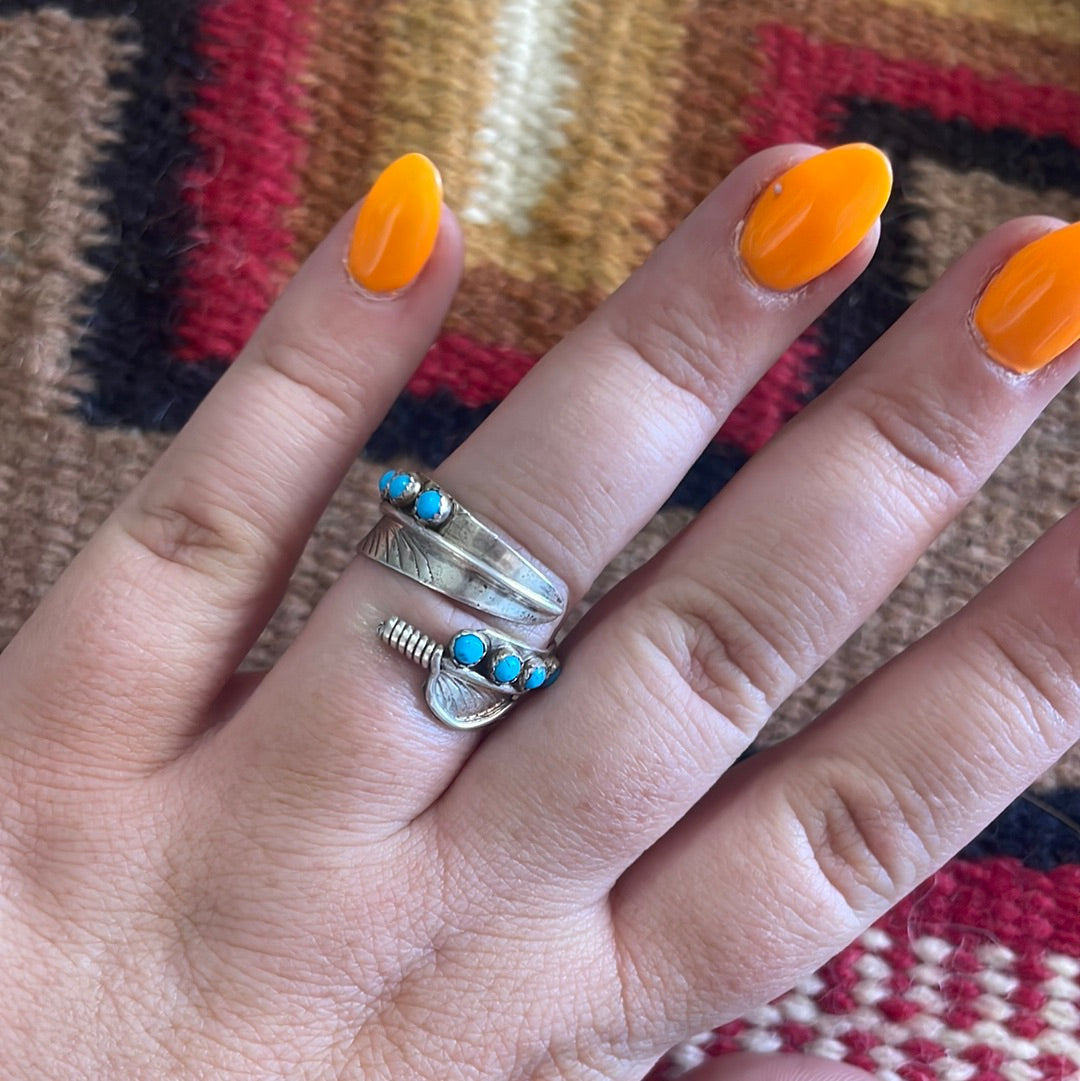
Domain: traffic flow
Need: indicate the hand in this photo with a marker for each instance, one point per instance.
(301, 874)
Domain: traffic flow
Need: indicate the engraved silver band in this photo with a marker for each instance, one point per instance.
(477, 676)
(427, 535)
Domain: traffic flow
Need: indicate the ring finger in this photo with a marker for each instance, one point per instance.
(699, 647)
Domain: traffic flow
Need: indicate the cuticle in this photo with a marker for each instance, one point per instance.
(1000, 368)
(370, 294)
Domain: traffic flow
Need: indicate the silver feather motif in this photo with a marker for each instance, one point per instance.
(462, 703)
(399, 548)
(467, 561)
(454, 694)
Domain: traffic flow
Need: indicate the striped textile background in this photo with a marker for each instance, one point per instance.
(166, 165)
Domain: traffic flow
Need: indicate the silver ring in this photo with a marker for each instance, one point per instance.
(477, 676)
(427, 535)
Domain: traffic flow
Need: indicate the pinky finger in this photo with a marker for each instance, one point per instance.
(796, 852)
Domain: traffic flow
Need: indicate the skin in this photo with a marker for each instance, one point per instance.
(300, 874)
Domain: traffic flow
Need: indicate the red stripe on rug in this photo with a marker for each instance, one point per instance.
(776, 398)
(477, 374)
(474, 373)
(803, 78)
(247, 123)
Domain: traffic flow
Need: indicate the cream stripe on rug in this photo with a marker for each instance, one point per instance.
(524, 121)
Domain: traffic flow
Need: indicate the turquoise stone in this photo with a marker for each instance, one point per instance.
(507, 669)
(428, 505)
(397, 487)
(552, 676)
(468, 649)
(535, 678)
(385, 479)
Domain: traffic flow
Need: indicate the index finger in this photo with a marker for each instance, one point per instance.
(156, 613)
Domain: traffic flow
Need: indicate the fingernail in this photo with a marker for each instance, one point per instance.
(1030, 311)
(813, 215)
(397, 225)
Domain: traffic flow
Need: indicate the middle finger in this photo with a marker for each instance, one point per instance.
(576, 461)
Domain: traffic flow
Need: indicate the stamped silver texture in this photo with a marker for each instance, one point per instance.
(477, 676)
(427, 535)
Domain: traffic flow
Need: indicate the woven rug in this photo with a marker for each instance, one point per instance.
(166, 165)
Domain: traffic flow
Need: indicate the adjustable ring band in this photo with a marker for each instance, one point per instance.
(427, 535)
(477, 676)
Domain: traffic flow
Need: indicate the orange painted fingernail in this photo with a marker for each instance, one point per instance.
(814, 214)
(397, 225)
(1030, 311)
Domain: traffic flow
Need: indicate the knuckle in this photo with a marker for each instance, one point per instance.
(680, 344)
(1024, 665)
(327, 381)
(923, 439)
(192, 526)
(864, 837)
(720, 649)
